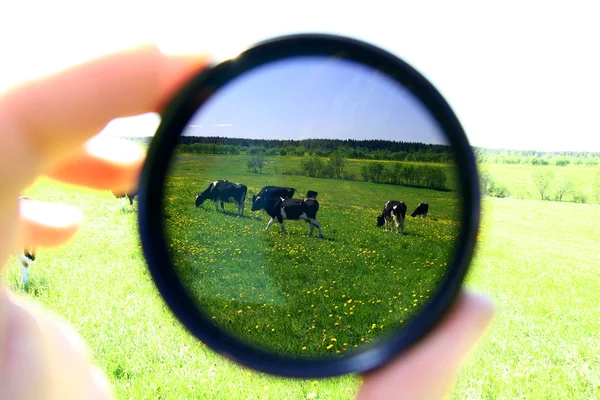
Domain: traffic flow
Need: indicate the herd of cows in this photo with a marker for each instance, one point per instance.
(278, 203)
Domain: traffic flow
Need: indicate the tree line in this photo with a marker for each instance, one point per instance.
(548, 185)
(555, 188)
(398, 173)
(375, 150)
(355, 149)
(531, 157)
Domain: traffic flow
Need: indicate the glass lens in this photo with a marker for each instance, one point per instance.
(289, 152)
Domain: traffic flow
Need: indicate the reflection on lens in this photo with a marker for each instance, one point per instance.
(311, 207)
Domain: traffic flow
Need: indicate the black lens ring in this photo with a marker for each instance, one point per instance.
(174, 120)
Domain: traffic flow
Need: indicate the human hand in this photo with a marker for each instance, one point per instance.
(47, 128)
(429, 369)
(49, 123)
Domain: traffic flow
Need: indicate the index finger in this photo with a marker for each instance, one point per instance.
(49, 119)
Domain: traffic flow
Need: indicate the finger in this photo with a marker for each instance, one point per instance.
(49, 119)
(428, 370)
(46, 224)
(103, 163)
(43, 357)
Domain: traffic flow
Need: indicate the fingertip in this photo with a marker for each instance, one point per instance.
(47, 224)
(104, 163)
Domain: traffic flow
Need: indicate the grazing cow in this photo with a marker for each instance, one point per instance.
(26, 257)
(395, 210)
(125, 195)
(293, 209)
(421, 210)
(224, 191)
(275, 192)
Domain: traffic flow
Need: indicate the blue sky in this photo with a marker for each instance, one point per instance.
(315, 97)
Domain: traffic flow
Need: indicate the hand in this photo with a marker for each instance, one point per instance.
(428, 370)
(46, 127)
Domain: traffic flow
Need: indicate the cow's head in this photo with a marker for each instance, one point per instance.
(380, 220)
(258, 202)
(200, 198)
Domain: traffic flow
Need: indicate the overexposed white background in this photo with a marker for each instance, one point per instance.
(519, 75)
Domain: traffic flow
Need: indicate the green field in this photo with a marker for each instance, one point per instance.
(538, 260)
(280, 165)
(517, 179)
(297, 294)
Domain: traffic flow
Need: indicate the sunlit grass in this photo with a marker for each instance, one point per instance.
(298, 294)
(538, 260)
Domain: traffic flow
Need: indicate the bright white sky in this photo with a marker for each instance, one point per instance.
(519, 74)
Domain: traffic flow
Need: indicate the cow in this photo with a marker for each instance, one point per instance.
(125, 195)
(26, 257)
(421, 210)
(275, 192)
(395, 210)
(224, 191)
(281, 209)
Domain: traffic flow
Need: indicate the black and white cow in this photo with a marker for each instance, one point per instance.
(125, 195)
(26, 257)
(224, 191)
(393, 210)
(421, 210)
(275, 192)
(281, 209)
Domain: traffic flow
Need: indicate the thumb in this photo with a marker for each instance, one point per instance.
(429, 369)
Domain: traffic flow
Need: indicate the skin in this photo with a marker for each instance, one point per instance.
(52, 123)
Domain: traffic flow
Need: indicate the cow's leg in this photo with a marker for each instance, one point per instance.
(312, 228)
(402, 225)
(270, 223)
(314, 222)
(122, 203)
(280, 220)
(396, 223)
(25, 264)
(216, 205)
(222, 207)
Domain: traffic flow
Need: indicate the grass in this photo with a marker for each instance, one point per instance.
(279, 165)
(517, 179)
(297, 294)
(538, 260)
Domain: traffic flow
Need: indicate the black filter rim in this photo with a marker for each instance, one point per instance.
(151, 189)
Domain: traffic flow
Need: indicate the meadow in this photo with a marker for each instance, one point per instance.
(537, 260)
(517, 178)
(297, 294)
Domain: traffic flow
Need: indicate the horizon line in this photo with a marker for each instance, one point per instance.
(387, 140)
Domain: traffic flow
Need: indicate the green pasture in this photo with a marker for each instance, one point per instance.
(517, 179)
(282, 164)
(537, 260)
(298, 294)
